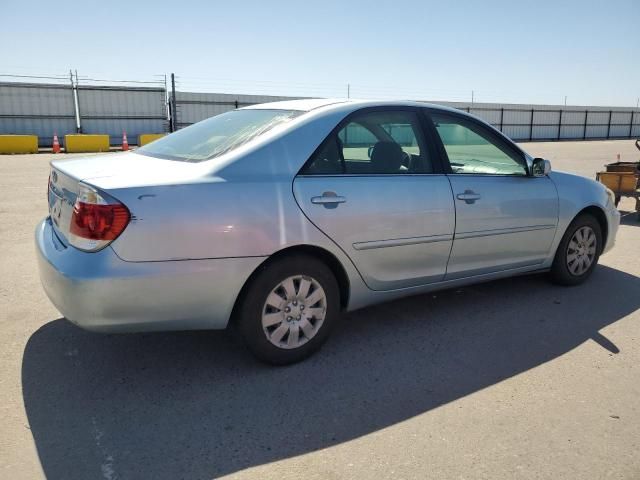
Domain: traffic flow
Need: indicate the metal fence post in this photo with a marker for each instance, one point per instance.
(167, 104)
(236, 104)
(559, 124)
(76, 103)
(501, 118)
(609, 125)
(584, 129)
(174, 112)
(631, 124)
(531, 126)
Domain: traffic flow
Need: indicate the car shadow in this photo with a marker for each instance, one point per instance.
(196, 405)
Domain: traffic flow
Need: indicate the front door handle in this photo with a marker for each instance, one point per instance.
(469, 197)
(328, 199)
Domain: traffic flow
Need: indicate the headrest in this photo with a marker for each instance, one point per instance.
(386, 157)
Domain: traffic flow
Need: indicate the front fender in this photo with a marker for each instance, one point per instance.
(576, 193)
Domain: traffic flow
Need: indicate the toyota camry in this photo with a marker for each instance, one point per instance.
(277, 217)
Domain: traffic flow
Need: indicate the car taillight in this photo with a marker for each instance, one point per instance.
(97, 219)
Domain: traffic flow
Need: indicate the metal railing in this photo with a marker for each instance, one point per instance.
(629, 126)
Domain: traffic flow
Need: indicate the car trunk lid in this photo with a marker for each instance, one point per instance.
(62, 194)
(108, 173)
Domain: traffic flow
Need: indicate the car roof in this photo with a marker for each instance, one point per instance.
(309, 104)
(302, 104)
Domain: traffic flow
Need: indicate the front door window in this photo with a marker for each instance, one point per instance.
(471, 150)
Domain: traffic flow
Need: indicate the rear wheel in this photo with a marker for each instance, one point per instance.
(289, 309)
(578, 252)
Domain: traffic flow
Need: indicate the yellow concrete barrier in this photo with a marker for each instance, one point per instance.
(18, 144)
(145, 138)
(77, 143)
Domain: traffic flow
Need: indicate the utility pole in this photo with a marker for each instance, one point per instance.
(472, 95)
(565, 100)
(348, 90)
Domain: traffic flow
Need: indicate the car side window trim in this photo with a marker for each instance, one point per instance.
(434, 145)
(503, 144)
(430, 144)
(395, 175)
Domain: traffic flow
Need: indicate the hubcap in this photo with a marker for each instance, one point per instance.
(294, 312)
(581, 250)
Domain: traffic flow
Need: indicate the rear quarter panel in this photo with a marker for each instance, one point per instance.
(217, 219)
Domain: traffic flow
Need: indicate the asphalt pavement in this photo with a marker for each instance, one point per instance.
(514, 379)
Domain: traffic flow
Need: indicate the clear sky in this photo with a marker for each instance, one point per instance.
(510, 51)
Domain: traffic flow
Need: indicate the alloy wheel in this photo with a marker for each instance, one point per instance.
(581, 250)
(294, 311)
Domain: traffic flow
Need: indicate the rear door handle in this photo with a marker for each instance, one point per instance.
(469, 196)
(328, 199)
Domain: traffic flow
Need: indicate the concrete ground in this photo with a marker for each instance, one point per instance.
(515, 379)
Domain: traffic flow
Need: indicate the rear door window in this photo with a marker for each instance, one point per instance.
(374, 142)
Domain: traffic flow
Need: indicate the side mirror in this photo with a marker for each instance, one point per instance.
(541, 167)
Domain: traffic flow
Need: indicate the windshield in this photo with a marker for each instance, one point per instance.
(217, 135)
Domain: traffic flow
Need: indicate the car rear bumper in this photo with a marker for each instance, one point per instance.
(99, 291)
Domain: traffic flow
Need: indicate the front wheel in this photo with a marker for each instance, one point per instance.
(578, 252)
(289, 309)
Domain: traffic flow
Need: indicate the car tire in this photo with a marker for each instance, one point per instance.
(578, 252)
(289, 309)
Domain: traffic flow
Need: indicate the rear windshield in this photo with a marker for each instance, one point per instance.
(217, 135)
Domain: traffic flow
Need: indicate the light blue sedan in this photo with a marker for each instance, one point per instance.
(276, 217)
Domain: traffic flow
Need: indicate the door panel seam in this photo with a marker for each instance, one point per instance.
(455, 226)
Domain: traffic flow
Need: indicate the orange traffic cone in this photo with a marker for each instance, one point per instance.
(56, 143)
(125, 142)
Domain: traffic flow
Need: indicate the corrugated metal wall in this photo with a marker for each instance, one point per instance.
(111, 110)
(42, 109)
(37, 109)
